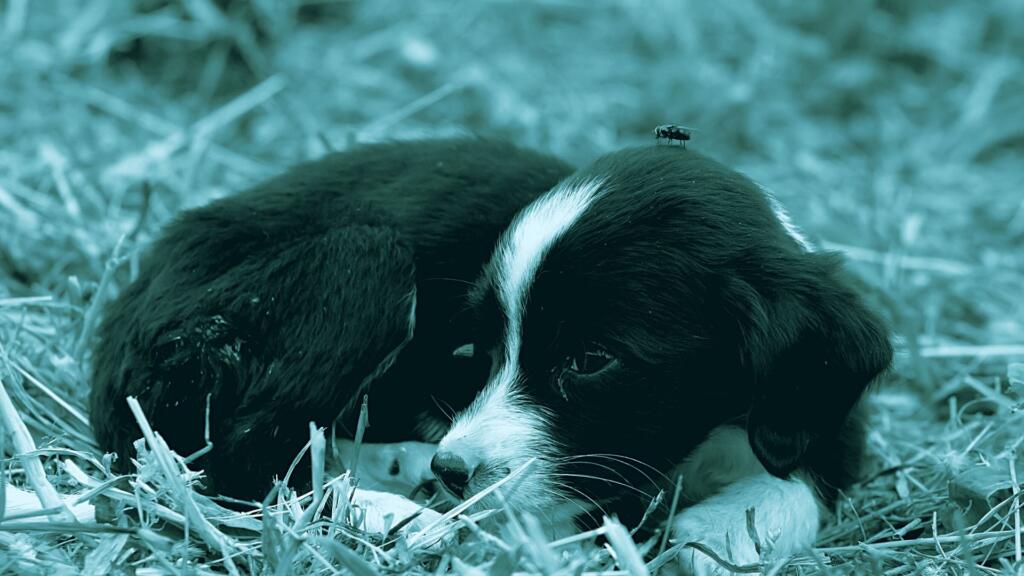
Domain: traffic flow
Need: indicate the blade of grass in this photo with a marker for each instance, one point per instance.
(21, 443)
(193, 516)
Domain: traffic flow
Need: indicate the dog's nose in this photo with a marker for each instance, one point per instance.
(451, 470)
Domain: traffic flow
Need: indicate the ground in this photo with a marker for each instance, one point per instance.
(893, 132)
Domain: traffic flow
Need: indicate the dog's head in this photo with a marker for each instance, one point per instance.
(644, 300)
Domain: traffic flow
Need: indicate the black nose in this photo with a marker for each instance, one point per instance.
(452, 471)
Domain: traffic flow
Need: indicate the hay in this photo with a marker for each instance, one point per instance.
(890, 133)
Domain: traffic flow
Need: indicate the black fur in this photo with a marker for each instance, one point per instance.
(681, 271)
(281, 301)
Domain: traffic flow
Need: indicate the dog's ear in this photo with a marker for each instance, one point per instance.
(811, 347)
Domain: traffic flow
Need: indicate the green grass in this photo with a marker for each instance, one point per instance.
(892, 131)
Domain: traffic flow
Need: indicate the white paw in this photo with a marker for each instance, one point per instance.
(399, 467)
(378, 512)
(718, 531)
(785, 522)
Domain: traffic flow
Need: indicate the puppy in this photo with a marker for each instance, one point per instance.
(280, 305)
(657, 315)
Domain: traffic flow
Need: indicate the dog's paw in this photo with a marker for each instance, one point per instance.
(379, 512)
(400, 468)
(783, 520)
(720, 542)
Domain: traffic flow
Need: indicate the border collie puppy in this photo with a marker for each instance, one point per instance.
(279, 305)
(656, 315)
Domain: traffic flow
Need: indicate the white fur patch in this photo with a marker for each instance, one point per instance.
(726, 477)
(397, 467)
(786, 518)
(723, 458)
(523, 246)
(377, 512)
(499, 432)
(18, 501)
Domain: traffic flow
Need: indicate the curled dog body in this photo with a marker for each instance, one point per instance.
(285, 303)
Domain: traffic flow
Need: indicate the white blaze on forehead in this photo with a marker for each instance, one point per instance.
(523, 246)
(500, 430)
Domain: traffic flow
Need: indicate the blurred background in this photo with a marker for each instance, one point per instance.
(892, 131)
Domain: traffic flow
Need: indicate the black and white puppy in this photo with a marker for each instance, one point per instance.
(280, 305)
(656, 314)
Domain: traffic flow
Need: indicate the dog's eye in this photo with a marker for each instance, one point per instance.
(467, 350)
(590, 360)
(582, 367)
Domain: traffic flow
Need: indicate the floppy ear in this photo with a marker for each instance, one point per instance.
(812, 347)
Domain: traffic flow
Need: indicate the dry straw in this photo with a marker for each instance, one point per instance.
(891, 133)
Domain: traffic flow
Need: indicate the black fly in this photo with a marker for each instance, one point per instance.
(673, 133)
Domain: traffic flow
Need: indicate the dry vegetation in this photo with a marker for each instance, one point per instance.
(892, 133)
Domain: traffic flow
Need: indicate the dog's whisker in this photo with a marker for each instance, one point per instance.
(582, 462)
(454, 280)
(445, 408)
(631, 466)
(556, 493)
(626, 461)
(609, 455)
(606, 480)
(590, 499)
